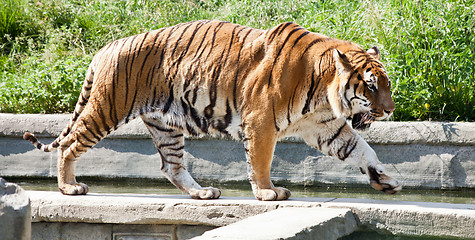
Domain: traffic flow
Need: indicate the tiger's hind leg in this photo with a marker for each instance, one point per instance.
(170, 145)
(85, 133)
(67, 155)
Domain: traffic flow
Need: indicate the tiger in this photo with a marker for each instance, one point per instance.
(217, 78)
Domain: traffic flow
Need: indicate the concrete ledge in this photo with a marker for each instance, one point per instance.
(420, 154)
(402, 218)
(453, 133)
(150, 209)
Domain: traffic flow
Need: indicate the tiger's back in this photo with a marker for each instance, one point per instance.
(199, 76)
(174, 73)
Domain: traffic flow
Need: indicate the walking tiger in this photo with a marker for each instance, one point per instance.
(218, 78)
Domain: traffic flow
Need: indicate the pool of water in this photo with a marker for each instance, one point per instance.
(242, 189)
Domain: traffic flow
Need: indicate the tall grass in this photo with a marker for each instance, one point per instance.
(427, 46)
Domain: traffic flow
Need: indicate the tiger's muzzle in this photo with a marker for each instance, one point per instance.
(362, 121)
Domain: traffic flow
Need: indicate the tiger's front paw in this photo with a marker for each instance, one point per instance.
(273, 194)
(204, 193)
(74, 189)
(379, 180)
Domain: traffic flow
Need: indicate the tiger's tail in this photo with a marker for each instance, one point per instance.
(83, 100)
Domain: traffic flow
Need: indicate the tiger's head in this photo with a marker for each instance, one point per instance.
(361, 88)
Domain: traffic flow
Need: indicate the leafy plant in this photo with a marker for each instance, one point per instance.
(427, 45)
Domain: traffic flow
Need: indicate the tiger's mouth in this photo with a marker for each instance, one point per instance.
(362, 121)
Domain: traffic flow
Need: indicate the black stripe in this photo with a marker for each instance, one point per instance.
(364, 65)
(83, 101)
(165, 47)
(127, 74)
(213, 39)
(278, 31)
(328, 120)
(347, 149)
(154, 98)
(315, 41)
(86, 138)
(169, 102)
(136, 53)
(133, 103)
(174, 66)
(280, 51)
(179, 39)
(157, 127)
(94, 129)
(144, 61)
(178, 148)
(168, 144)
(237, 70)
(311, 92)
(75, 117)
(275, 119)
(198, 49)
(195, 95)
(103, 121)
(179, 135)
(195, 30)
(185, 107)
(191, 130)
(229, 115)
(291, 101)
(338, 132)
(222, 125)
(347, 85)
(300, 37)
(177, 155)
(194, 115)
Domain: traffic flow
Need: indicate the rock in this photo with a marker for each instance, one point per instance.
(15, 212)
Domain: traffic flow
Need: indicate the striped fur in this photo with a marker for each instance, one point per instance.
(218, 78)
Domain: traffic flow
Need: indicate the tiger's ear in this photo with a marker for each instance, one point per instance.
(374, 52)
(341, 61)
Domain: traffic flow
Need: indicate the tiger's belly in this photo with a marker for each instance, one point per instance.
(197, 120)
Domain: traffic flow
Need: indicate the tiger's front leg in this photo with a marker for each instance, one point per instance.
(259, 145)
(337, 139)
(170, 145)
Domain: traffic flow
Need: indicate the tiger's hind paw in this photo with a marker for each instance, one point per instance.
(205, 193)
(273, 194)
(74, 189)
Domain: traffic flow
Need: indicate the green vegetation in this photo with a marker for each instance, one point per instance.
(428, 46)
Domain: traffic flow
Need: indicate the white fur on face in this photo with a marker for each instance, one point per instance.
(370, 79)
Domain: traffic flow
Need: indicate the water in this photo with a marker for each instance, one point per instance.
(243, 189)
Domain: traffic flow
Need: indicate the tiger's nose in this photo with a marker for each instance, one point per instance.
(389, 108)
(388, 111)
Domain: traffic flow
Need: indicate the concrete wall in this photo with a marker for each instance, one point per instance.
(420, 154)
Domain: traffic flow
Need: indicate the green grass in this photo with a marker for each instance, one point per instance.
(427, 46)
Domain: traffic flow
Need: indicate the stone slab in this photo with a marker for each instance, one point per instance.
(412, 218)
(149, 209)
(397, 217)
(289, 223)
